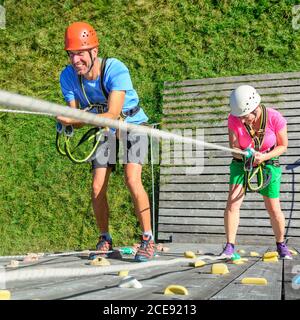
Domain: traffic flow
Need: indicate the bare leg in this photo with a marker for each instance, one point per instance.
(133, 179)
(276, 216)
(99, 199)
(232, 211)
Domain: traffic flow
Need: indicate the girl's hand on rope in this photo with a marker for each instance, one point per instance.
(259, 158)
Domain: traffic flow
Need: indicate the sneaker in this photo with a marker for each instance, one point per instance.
(104, 244)
(228, 251)
(283, 251)
(146, 250)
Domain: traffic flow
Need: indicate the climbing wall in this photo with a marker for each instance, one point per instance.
(192, 200)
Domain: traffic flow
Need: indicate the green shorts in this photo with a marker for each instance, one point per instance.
(272, 190)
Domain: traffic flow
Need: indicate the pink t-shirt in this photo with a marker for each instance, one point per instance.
(275, 122)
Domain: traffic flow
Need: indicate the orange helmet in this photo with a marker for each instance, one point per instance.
(80, 36)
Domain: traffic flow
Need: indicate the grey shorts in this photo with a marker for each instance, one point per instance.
(132, 149)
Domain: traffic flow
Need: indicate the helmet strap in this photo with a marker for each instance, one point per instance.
(92, 61)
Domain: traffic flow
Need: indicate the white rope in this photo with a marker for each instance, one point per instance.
(25, 112)
(39, 273)
(18, 102)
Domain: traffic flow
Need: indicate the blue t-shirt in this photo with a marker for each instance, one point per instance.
(116, 77)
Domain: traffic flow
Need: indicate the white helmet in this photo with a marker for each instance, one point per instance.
(243, 100)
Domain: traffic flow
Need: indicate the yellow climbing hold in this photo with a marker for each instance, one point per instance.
(259, 281)
(238, 261)
(123, 273)
(241, 251)
(272, 259)
(219, 268)
(5, 295)
(254, 254)
(189, 254)
(198, 264)
(293, 252)
(100, 261)
(244, 259)
(270, 254)
(176, 289)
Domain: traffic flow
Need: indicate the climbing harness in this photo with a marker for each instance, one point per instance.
(77, 152)
(258, 172)
(81, 151)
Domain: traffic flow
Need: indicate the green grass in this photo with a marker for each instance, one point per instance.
(44, 199)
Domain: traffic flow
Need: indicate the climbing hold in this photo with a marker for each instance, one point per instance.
(5, 295)
(13, 264)
(123, 273)
(238, 261)
(159, 247)
(244, 259)
(189, 254)
(127, 250)
(130, 282)
(254, 254)
(259, 281)
(219, 268)
(197, 264)
(241, 251)
(270, 254)
(99, 261)
(272, 259)
(31, 257)
(293, 252)
(176, 289)
(235, 256)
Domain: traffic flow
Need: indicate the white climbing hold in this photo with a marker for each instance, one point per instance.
(13, 264)
(130, 282)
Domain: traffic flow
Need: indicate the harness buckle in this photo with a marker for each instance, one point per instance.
(59, 127)
(69, 131)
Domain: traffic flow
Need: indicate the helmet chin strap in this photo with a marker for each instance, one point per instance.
(92, 61)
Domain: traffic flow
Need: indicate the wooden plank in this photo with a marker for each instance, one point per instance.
(208, 205)
(217, 178)
(244, 78)
(271, 271)
(215, 238)
(186, 157)
(291, 269)
(278, 83)
(199, 121)
(280, 106)
(213, 154)
(267, 99)
(188, 187)
(217, 114)
(218, 196)
(220, 229)
(194, 212)
(217, 138)
(226, 94)
(213, 221)
(215, 123)
(200, 169)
